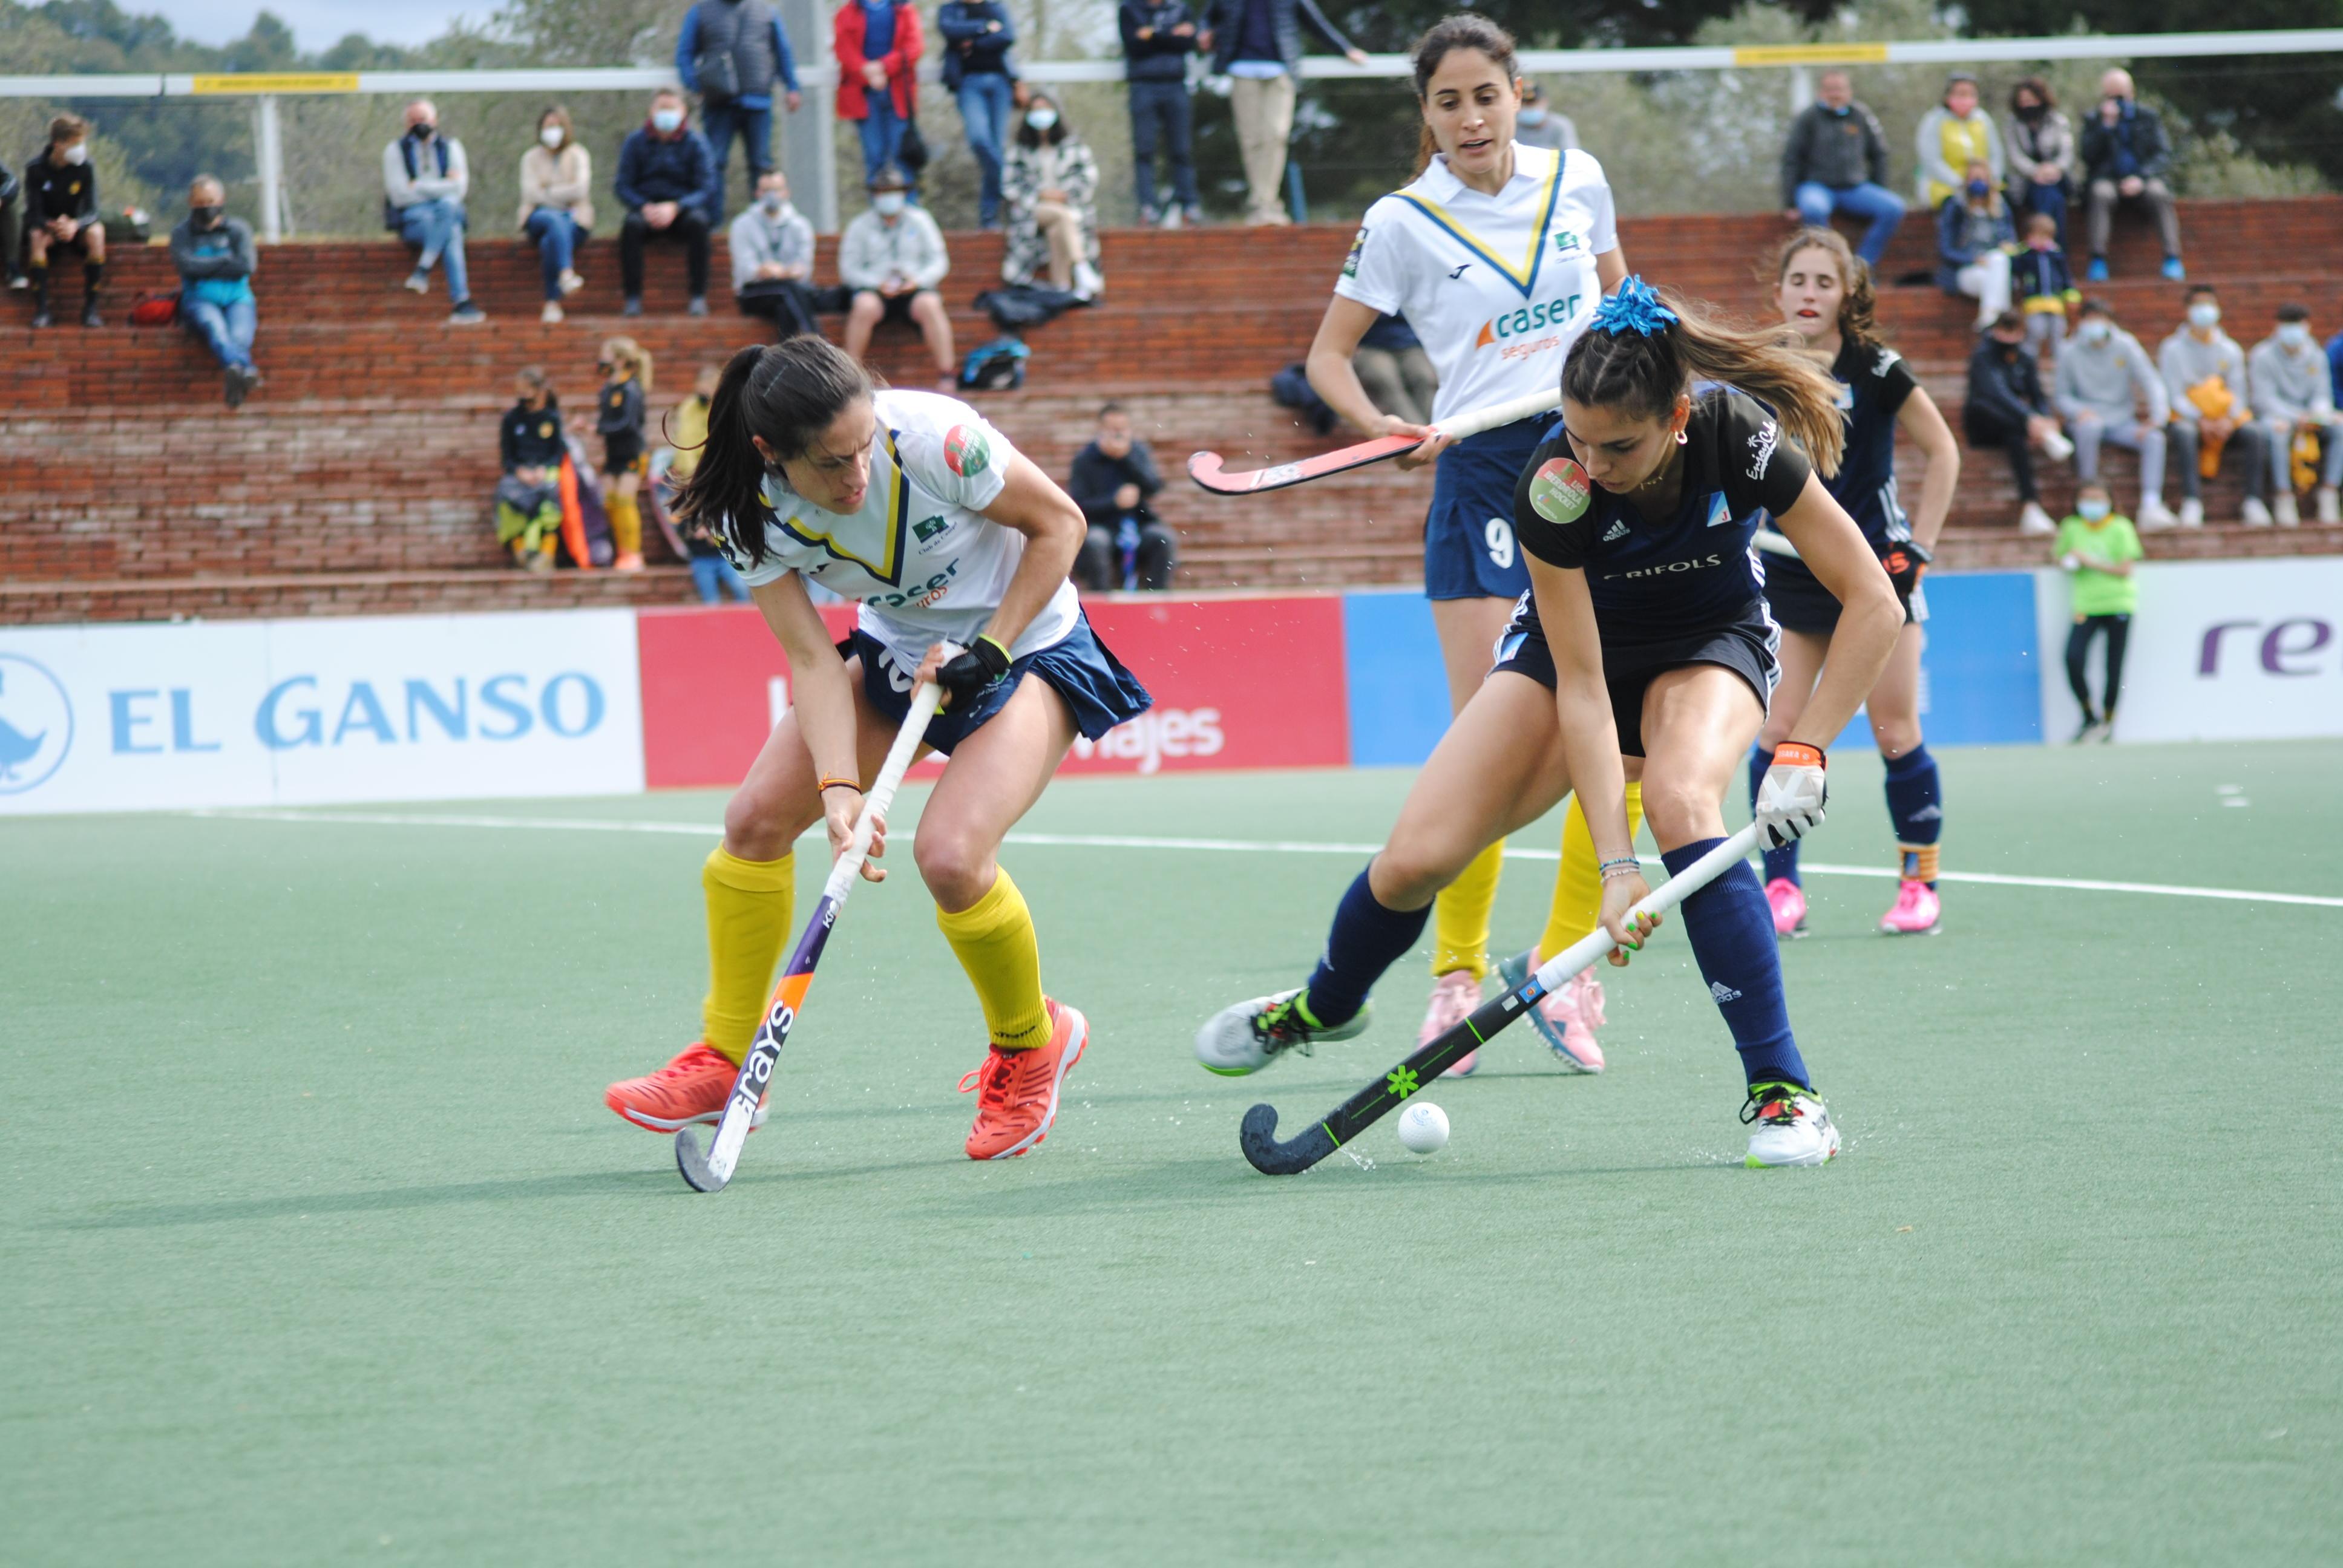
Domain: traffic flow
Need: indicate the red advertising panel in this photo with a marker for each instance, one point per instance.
(1237, 682)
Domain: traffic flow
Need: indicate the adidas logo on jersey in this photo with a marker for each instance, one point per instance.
(1723, 993)
(1618, 530)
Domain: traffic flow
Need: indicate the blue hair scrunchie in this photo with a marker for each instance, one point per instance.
(1631, 307)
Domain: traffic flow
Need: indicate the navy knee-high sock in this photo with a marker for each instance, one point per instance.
(1732, 934)
(1366, 939)
(1915, 804)
(1784, 862)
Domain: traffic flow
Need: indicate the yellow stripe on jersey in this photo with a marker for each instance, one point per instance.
(898, 509)
(1525, 276)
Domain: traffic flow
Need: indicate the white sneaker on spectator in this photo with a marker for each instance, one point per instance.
(1170, 218)
(1088, 284)
(2056, 447)
(571, 282)
(2192, 513)
(2155, 514)
(2256, 514)
(2035, 521)
(2287, 513)
(2330, 505)
(419, 282)
(551, 313)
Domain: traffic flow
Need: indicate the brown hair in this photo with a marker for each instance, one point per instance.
(67, 128)
(1643, 373)
(1858, 304)
(559, 116)
(1465, 30)
(786, 393)
(2035, 86)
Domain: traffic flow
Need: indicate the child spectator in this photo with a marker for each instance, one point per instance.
(2109, 392)
(213, 257)
(529, 496)
(772, 260)
(1114, 478)
(2296, 404)
(1951, 136)
(2041, 153)
(2205, 381)
(2005, 408)
(61, 215)
(711, 575)
(2097, 548)
(557, 206)
(1050, 186)
(1974, 243)
(619, 419)
(1158, 36)
(2042, 284)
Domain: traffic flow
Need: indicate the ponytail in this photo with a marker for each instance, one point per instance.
(1858, 305)
(1641, 356)
(626, 351)
(786, 393)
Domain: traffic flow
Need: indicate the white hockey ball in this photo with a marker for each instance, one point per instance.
(1424, 1127)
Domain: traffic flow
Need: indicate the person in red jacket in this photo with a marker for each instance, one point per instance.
(878, 47)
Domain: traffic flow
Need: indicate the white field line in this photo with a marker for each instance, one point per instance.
(1236, 846)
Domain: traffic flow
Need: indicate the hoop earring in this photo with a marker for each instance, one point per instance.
(1682, 436)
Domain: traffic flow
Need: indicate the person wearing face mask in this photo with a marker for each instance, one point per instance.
(425, 178)
(2005, 408)
(2126, 157)
(213, 256)
(1049, 186)
(529, 492)
(1951, 136)
(2294, 401)
(2109, 392)
(61, 215)
(892, 257)
(1974, 243)
(556, 207)
(2096, 548)
(772, 260)
(672, 191)
(1836, 160)
(2205, 381)
(2041, 145)
(1540, 124)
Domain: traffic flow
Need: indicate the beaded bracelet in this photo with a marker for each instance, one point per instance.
(1622, 867)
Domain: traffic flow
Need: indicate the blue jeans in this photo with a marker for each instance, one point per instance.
(717, 122)
(439, 227)
(557, 235)
(1875, 205)
(2050, 200)
(709, 573)
(1162, 108)
(882, 137)
(226, 329)
(984, 102)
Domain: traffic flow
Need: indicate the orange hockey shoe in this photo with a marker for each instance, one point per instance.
(692, 1087)
(1017, 1090)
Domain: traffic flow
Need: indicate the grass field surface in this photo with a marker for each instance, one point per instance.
(316, 1245)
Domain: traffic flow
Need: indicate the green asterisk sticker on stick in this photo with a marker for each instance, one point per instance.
(1403, 1081)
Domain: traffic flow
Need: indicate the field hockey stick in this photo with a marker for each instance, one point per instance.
(1205, 469)
(1385, 1094)
(708, 1173)
(1773, 544)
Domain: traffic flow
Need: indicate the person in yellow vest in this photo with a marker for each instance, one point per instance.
(1952, 134)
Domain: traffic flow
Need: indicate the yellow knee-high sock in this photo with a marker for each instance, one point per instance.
(749, 904)
(993, 939)
(1460, 916)
(1578, 881)
(625, 528)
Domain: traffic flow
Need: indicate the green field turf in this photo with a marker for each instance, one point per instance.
(317, 1246)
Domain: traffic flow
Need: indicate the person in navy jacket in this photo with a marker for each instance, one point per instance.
(669, 184)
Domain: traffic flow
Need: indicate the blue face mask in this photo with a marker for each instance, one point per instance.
(667, 122)
(2091, 511)
(1980, 190)
(1531, 116)
(1840, 111)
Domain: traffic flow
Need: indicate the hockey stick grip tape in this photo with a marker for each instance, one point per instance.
(1474, 421)
(882, 794)
(1584, 952)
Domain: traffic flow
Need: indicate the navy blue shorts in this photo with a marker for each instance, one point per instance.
(1098, 690)
(1746, 646)
(1801, 603)
(1469, 548)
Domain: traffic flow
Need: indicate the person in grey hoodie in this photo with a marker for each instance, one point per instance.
(2288, 374)
(2107, 391)
(772, 260)
(2198, 354)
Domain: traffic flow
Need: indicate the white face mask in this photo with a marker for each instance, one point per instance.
(2204, 316)
(2293, 334)
(2095, 331)
(774, 206)
(77, 154)
(667, 122)
(1043, 119)
(886, 203)
(2092, 511)
(552, 135)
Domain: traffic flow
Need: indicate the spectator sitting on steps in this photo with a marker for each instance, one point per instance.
(2109, 392)
(2005, 408)
(61, 215)
(557, 206)
(1974, 243)
(2041, 152)
(1951, 136)
(772, 260)
(1395, 371)
(2205, 381)
(529, 496)
(1114, 479)
(2124, 159)
(667, 183)
(1836, 160)
(213, 256)
(2294, 402)
(12, 229)
(2043, 285)
(425, 178)
(892, 257)
(1049, 186)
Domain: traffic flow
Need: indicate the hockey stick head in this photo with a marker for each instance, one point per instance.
(1208, 470)
(1271, 1158)
(692, 1160)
